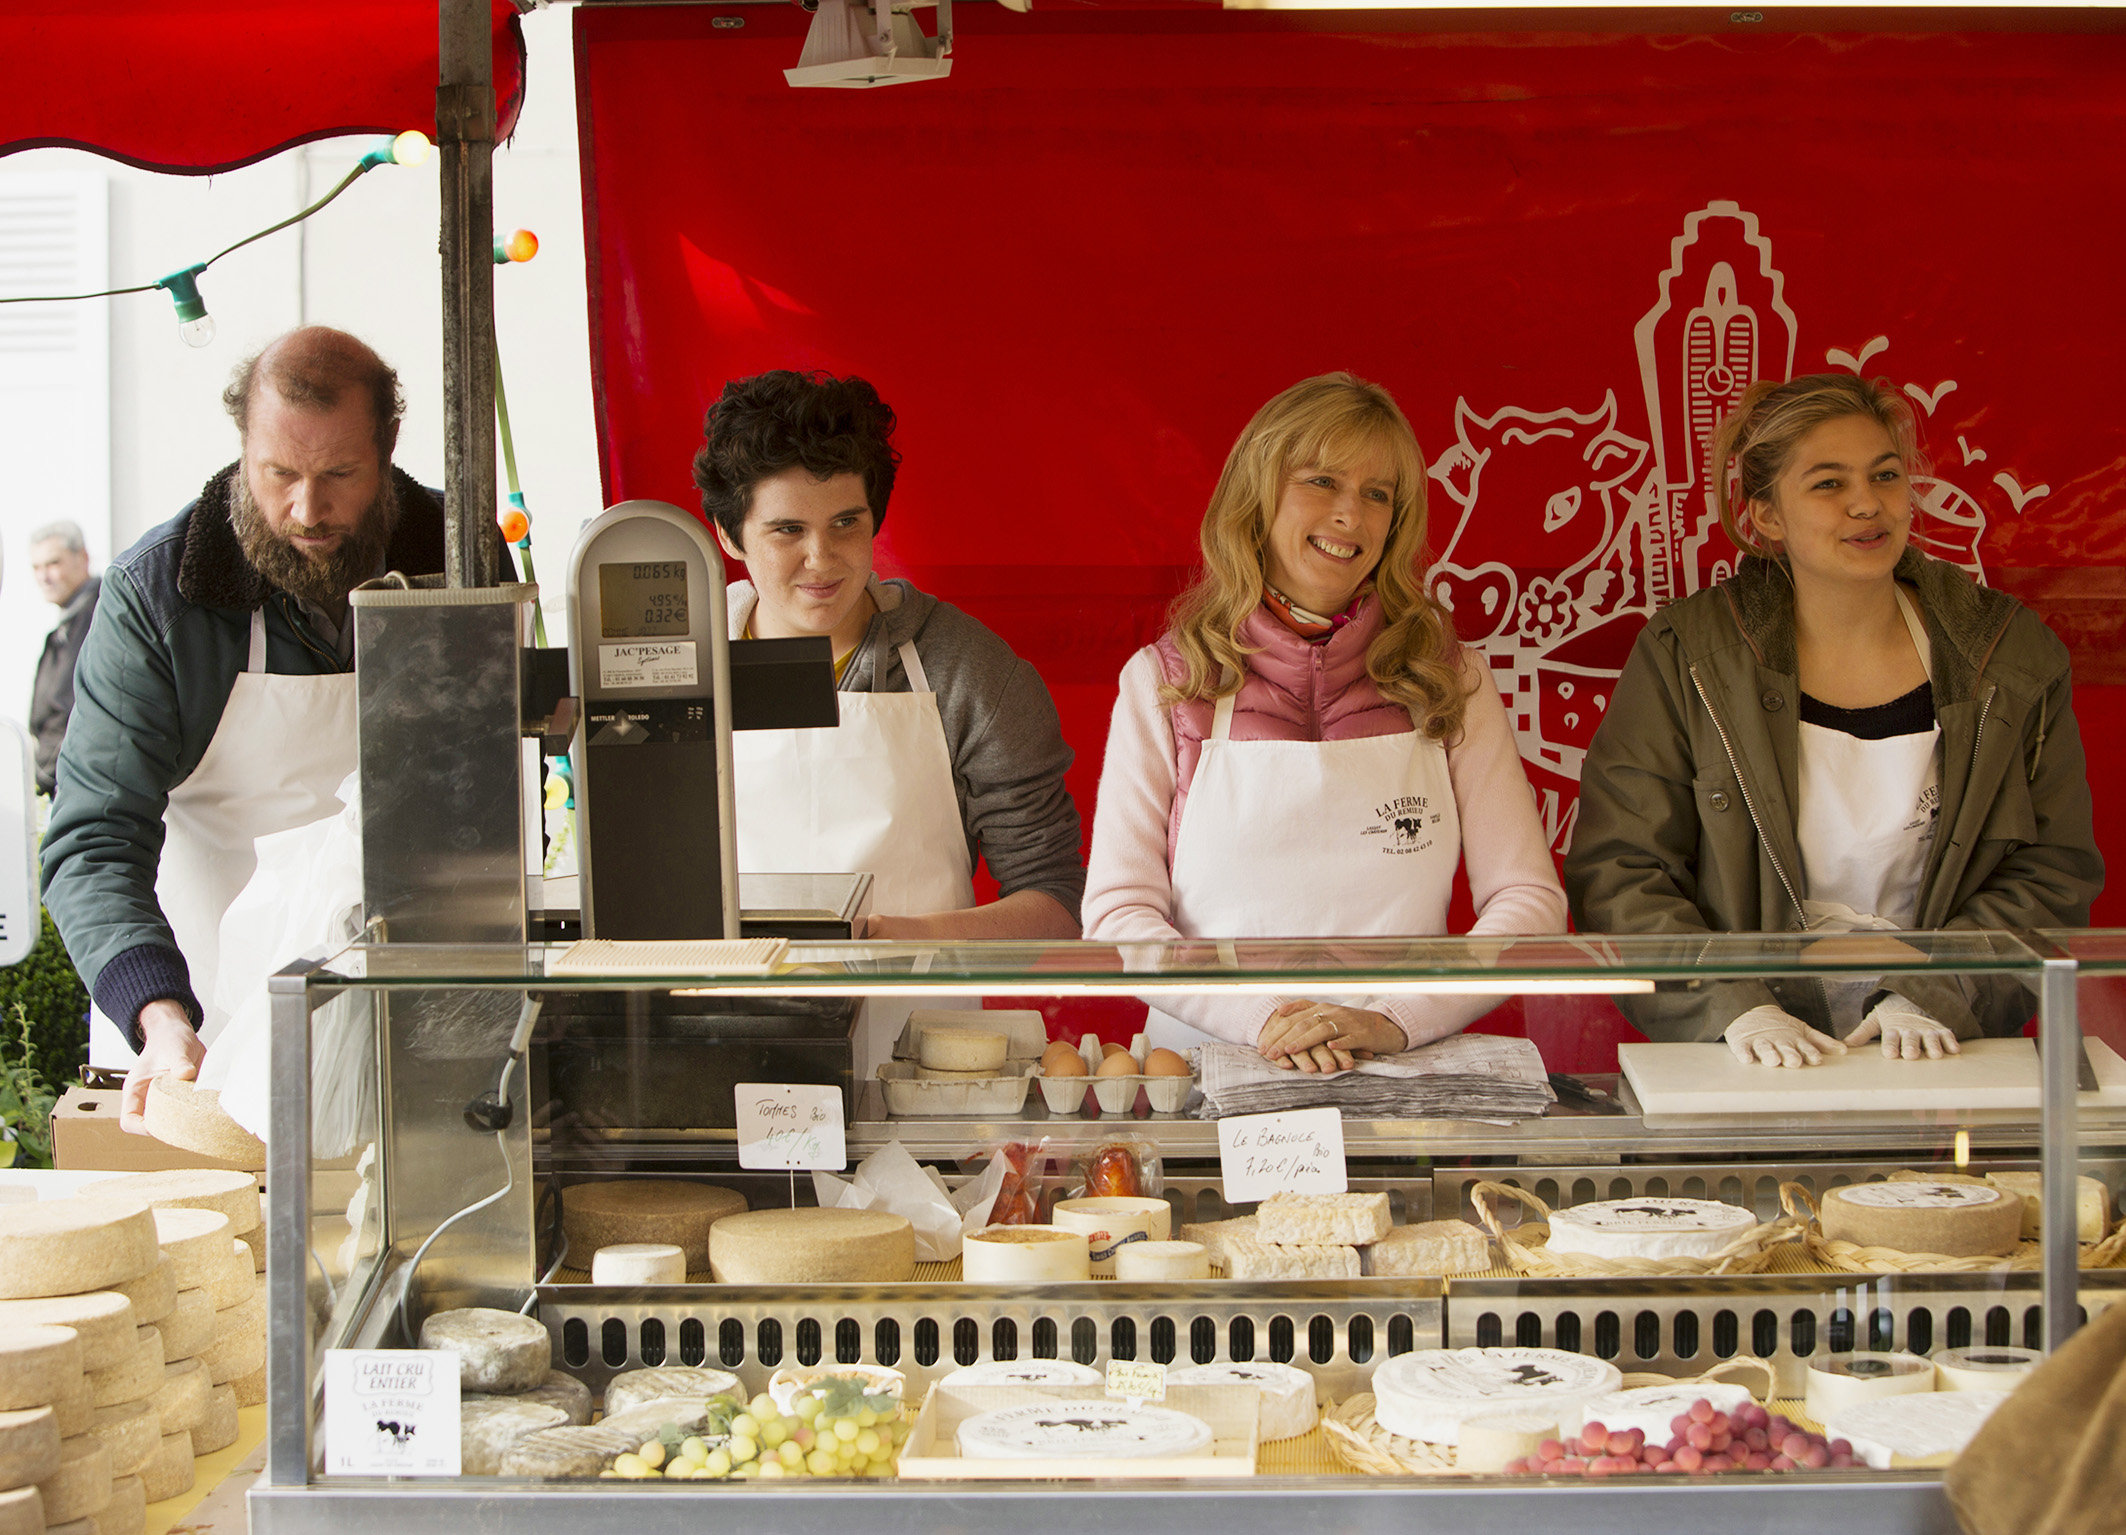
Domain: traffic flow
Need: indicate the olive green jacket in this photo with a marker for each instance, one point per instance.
(1687, 799)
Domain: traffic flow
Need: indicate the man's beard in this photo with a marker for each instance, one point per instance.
(323, 579)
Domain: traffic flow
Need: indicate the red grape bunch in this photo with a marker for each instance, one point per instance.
(1702, 1440)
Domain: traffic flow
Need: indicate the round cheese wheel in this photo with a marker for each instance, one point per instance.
(1649, 1228)
(559, 1389)
(217, 1430)
(195, 1241)
(639, 1263)
(239, 1345)
(595, 1215)
(134, 1378)
(250, 1389)
(497, 1351)
(1489, 1443)
(1837, 1381)
(188, 1328)
(575, 1451)
(232, 1280)
(1112, 1221)
(131, 1432)
(182, 1399)
(29, 1447)
(489, 1425)
(191, 1118)
(2000, 1367)
(1956, 1220)
(169, 1474)
(1286, 1394)
(234, 1194)
(1429, 1394)
(82, 1484)
(812, 1246)
(634, 1388)
(22, 1512)
(127, 1512)
(152, 1294)
(1024, 1372)
(1080, 1430)
(1163, 1262)
(103, 1320)
(1024, 1254)
(1915, 1430)
(67, 1246)
(36, 1364)
(1653, 1409)
(941, 1047)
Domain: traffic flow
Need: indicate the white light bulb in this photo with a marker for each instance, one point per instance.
(199, 332)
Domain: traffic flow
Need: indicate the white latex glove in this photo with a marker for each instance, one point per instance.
(1771, 1036)
(1907, 1033)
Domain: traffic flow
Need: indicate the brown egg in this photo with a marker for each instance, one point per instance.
(1165, 1063)
(1119, 1064)
(1109, 1047)
(1059, 1060)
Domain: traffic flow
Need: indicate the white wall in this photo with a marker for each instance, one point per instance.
(367, 264)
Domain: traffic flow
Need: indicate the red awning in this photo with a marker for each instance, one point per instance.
(212, 84)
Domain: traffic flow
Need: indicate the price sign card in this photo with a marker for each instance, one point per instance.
(391, 1412)
(791, 1125)
(1300, 1152)
(1136, 1380)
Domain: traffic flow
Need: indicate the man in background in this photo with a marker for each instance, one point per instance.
(59, 559)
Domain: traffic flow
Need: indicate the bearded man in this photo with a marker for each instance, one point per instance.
(214, 698)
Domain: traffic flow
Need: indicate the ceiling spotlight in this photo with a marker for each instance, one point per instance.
(853, 45)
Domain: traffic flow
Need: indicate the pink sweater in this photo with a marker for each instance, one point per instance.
(1297, 691)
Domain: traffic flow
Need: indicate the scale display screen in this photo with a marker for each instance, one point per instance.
(642, 599)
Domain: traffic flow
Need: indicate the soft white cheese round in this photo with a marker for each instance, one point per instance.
(1024, 1372)
(1163, 1262)
(1287, 1398)
(1653, 1409)
(1489, 1444)
(1839, 1381)
(1082, 1431)
(1429, 1394)
(1024, 1254)
(639, 1263)
(1998, 1368)
(1913, 1430)
(1648, 1228)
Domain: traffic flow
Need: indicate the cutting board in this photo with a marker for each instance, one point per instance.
(1705, 1080)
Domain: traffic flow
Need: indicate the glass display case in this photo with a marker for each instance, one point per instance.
(433, 1105)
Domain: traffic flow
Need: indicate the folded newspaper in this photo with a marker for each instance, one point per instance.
(1464, 1076)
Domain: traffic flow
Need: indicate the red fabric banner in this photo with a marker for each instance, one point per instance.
(1076, 268)
(209, 85)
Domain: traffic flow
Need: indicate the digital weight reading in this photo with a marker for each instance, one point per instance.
(642, 600)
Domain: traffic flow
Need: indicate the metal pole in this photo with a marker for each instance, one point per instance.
(465, 133)
(289, 1385)
(2060, 1040)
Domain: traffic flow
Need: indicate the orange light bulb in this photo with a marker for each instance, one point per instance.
(520, 245)
(516, 527)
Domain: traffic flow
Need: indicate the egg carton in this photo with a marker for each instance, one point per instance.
(1116, 1094)
(1025, 1031)
(911, 1097)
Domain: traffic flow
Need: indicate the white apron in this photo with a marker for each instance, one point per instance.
(1314, 839)
(1866, 825)
(873, 796)
(276, 761)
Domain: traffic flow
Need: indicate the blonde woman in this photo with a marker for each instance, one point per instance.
(1845, 735)
(1307, 752)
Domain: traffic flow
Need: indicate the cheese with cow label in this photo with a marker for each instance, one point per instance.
(191, 1188)
(169, 1474)
(82, 1484)
(131, 1432)
(22, 1512)
(188, 1328)
(1285, 1394)
(1082, 1430)
(1427, 1249)
(68, 1246)
(1653, 1409)
(497, 1351)
(29, 1447)
(2092, 1205)
(1956, 1220)
(195, 1241)
(1024, 1372)
(181, 1401)
(1348, 1220)
(217, 1429)
(239, 1345)
(489, 1425)
(660, 1383)
(134, 1378)
(595, 1215)
(127, 1512)
(1429, 1394)
(103, 1320)
(812, 1246)
(1927, 1429)
(37, 1364)
(1649, 1228)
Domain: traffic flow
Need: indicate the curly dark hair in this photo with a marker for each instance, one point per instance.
(771, 422)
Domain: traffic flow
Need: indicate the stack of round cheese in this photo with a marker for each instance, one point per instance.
(510, 1389)
(214, 1332)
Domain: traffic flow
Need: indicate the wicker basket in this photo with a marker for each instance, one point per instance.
(1356, 1438)
(1527, 1246)
(1852, 1258)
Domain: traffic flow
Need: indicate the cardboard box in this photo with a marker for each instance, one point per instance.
(85, 1134)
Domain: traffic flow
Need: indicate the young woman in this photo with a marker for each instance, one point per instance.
(1846, 735)
(1307, 751)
